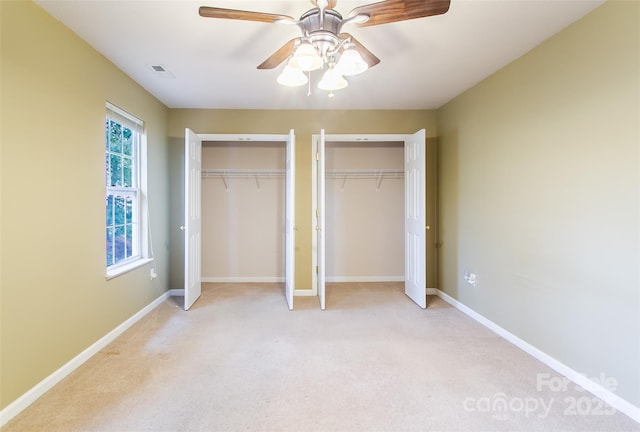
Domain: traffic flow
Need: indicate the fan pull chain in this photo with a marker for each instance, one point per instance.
(309, 83)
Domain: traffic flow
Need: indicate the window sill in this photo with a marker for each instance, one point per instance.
(120, 270)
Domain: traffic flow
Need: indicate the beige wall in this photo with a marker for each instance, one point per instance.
(55, 301)
(540, 196)
(364, 223)
(305, 124)
(243, 221)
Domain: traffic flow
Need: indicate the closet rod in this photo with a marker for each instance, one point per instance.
(378, 174)
(366, 173)
(239, 173)
(242, 173)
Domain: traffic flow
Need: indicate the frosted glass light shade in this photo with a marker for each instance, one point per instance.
(306, 57)
(332, 80)
(292, 76)
(351, 62)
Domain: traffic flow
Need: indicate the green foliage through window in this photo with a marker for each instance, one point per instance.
(122, 199)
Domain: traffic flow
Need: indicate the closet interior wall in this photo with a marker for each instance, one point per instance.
(243, 193)
(364, 211)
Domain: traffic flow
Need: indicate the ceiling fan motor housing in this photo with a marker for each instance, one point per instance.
(322, 29)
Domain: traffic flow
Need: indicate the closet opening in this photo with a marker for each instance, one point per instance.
(239, 211)
(243, 205)
(370, 215)
(364, 211)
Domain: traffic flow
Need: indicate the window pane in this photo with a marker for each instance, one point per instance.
(116, 170)
(110, 257)
(109, 210)
(129, 211)
(129, 240)
(128, 172)
(127, 135)
(107, 170)
(120, 241)
(122, 206)
(115, 137)
(107, 132)
(119, 210)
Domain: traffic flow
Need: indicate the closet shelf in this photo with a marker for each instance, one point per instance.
(365, 173)
(377, 174)
(242, 173)
(239, 173)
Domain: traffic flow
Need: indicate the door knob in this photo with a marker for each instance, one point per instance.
(182, 227)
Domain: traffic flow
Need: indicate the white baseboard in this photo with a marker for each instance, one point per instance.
(591, 386)
(242, 279)
(176, 292)
(15, 407)
(597, 390)
(305, 292)
(364, 278)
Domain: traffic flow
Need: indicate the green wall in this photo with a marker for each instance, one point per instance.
(305, 124)
(55, 301)
(539, 193)
(540, 196)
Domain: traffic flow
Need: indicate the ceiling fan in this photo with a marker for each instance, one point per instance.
(322, 44)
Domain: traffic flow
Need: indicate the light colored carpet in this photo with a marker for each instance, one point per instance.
(373, 361)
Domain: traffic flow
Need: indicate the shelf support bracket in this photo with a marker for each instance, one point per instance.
(225, 180)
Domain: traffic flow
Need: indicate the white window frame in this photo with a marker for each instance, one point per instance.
(140, 255)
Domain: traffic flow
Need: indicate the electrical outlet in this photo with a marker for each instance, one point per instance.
(153, 274)
(470, 278)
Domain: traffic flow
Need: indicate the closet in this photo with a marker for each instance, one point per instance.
(370, 217)
(239, 218)
(243, 193)
(364, 211)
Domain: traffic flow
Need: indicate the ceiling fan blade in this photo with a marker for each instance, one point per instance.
(279, 56)
(214, 12)
(366, 55)
(400, 10)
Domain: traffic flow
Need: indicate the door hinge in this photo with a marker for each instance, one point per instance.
(317, 156)
(317, 214)
(316, 269)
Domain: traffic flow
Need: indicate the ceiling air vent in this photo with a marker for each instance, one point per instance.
(161, 71)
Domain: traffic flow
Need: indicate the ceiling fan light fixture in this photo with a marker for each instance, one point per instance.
(351, 62)
(306, 57)
(292, 76)
(332, 80)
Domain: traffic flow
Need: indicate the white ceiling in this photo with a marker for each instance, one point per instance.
(424, 62)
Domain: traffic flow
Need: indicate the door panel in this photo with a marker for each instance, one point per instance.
(415, 218)
(289, 220)
(192, 243)
(321, 269)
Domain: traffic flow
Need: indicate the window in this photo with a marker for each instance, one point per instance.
(124, 175)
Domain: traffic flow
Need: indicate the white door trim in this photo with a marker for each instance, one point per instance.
(241, 139)
(314, 179)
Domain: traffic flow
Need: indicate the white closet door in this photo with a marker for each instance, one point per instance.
(321, 269)
(289, 262)
(415, 245)
(192, 219)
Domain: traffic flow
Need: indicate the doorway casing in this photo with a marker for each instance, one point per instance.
(415, 208)
(193, 142)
